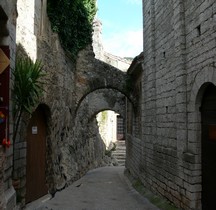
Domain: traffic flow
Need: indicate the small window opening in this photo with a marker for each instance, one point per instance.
(166, 109)
(198, 28)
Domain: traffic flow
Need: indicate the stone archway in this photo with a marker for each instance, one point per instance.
(202, 80)
(98, 101)
(208, 115)
(87, 139)
(92, 74)
(104, 99)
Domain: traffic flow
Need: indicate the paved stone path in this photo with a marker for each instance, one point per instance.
(104, 188)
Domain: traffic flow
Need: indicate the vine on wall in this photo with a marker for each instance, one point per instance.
(72, 20)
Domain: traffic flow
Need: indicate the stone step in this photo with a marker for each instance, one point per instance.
(120, 153)
(120, 150)
(120, 147)
(120, 142)
(121, 161)
(119, 157)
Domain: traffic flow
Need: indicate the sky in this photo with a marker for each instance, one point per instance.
(122, 26)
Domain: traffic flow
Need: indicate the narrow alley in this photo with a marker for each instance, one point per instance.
(104, 188)
(81, 126)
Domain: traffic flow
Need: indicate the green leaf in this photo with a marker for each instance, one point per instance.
(28, 87)
(72, 20)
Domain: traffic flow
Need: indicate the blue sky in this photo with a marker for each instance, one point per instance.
(121, 26)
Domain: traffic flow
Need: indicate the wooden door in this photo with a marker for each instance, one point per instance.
(209, 149)
(36, 157)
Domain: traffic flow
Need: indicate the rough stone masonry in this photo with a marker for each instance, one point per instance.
(73, 143)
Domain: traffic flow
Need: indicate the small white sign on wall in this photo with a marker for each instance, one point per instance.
(34, 130)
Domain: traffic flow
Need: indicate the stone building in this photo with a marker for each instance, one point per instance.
(173, 154)
(8, 16)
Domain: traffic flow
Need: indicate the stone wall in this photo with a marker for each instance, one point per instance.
(67, 157)
(179, 54)
(72, 90)
(7, 38)
(134, 143)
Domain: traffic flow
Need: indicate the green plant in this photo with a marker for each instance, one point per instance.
(72, 20)
(27, 88)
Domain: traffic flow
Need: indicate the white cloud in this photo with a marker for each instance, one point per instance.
(124, 44)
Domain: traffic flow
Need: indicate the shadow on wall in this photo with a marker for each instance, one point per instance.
(3, 25)
(22, 147)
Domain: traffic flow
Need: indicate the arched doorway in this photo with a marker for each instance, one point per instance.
(208, 114)
(36, 156)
